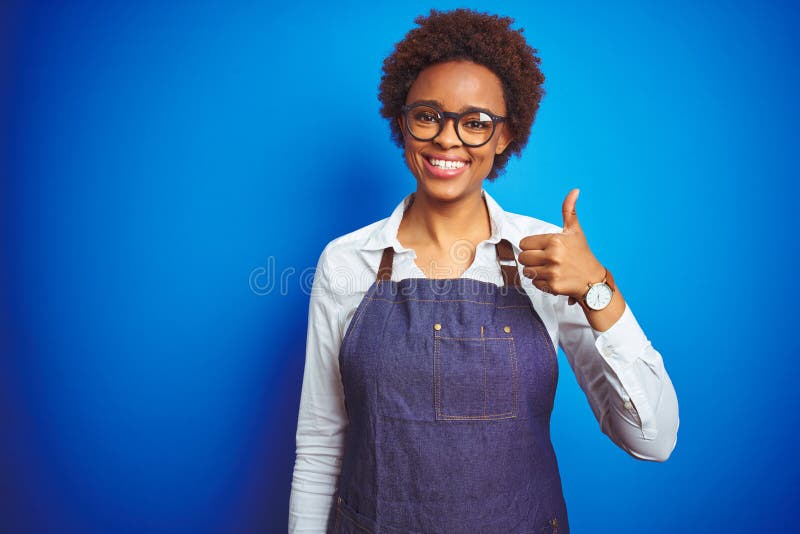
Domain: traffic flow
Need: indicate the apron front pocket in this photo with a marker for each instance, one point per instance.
(456, 374)
(475, 378)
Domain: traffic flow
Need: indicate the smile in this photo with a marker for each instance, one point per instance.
(446, 163)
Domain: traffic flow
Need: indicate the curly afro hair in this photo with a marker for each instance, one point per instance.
(482, 38)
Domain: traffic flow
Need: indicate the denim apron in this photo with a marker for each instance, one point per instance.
(448, 387)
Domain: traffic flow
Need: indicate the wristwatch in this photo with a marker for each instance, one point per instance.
(599, 294)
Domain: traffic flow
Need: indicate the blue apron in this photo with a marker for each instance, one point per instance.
(448, 387)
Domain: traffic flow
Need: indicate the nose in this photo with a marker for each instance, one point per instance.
(448, 138)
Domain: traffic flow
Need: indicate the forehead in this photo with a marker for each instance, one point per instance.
(458, 85)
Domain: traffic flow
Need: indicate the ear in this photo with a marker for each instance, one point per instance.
(504, 139)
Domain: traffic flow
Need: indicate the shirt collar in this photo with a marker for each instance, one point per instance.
(386, 234)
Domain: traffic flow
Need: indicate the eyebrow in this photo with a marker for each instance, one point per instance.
(437, 104)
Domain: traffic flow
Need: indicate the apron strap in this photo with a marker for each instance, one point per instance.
(385, 270)
(505, 255)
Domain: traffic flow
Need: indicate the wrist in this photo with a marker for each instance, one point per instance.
(604, 319)
(599, 293)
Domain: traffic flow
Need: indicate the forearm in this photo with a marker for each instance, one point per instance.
(625, 381)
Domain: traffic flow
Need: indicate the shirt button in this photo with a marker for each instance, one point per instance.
(507, 329)
(628, 405)
(437, 326)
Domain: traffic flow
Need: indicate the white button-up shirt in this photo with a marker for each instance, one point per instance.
(620, 372)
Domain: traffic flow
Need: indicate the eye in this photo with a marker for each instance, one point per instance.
(476, 122)
(425, 115)
(478, 125)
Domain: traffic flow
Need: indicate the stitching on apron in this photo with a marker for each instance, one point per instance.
(485, 394)
(542, 330)
(478, 338)
(338, 516)
(356, 319)
(437, 376)
(515, 376)
(492, 417)
(444, 300)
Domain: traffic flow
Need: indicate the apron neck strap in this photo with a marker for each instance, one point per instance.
(505, 257)
(385, 270)
(508, 263)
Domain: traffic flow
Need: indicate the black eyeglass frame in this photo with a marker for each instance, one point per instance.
(496, 119)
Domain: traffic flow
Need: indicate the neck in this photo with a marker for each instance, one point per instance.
(442, 223)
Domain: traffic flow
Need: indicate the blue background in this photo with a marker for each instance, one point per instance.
(166, 165)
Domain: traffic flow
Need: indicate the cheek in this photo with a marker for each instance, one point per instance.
(410, 146)
(486, 155)
(410, 153)
(408, 156)
(484, 160)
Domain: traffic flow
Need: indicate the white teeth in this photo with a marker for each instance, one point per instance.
(446, 164)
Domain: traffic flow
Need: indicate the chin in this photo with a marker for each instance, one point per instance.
(444, 191)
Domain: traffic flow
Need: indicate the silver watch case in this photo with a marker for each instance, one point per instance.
(599, 296)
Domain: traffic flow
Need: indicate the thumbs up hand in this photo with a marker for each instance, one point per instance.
(562, 263)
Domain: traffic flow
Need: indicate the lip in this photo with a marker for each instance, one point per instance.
(444, 173)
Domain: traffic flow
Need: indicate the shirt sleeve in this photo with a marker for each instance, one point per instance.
(322, 419)
(625, 381)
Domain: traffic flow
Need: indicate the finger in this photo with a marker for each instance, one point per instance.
(535, 242)
(568, 212)
(542, 285)
(537, 273)
(534, 258)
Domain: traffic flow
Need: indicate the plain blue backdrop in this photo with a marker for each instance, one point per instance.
(172, 171)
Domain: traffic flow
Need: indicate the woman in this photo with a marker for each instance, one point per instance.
(431, 363)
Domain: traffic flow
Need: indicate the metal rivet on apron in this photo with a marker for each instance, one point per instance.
(437, 326)
(507, 329)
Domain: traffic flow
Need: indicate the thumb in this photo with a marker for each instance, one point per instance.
(568, 210)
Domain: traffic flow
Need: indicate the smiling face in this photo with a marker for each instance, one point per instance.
(447, 170)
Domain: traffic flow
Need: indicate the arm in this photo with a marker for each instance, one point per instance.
(620, 372)
(623, 378)
(322, 420)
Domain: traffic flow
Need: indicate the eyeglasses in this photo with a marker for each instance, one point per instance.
(474, 128)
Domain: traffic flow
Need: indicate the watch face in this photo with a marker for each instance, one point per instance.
(599, 296)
